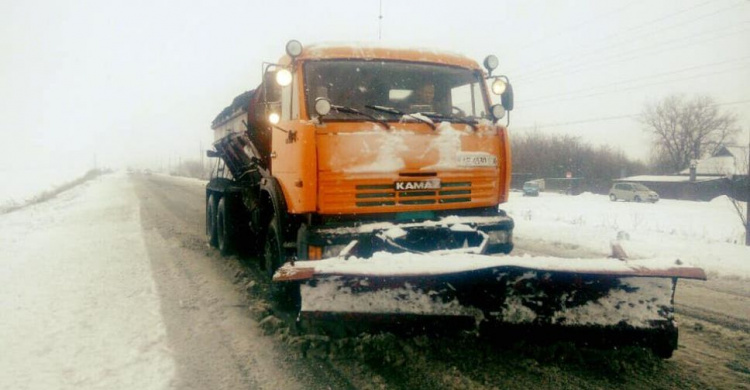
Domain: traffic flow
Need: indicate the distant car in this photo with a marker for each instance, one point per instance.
(632, 192)
(530, 188)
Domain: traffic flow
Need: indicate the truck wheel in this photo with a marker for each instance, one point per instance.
(272, 251)
(224, 229)
(612, 197)
(211, 220)
(665, 343)
(285, 294)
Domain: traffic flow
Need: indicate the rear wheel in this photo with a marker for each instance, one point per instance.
(612, 197)
(224, 229)
(211, 220)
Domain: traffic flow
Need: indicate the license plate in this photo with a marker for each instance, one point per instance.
(477, 160)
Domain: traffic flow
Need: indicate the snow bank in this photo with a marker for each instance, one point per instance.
(705, 234)
(21, 185)
(79, 305)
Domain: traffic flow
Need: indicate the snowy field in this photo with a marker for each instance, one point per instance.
(705, 234)
(19, 185)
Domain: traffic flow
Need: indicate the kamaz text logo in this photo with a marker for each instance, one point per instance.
(433, 184)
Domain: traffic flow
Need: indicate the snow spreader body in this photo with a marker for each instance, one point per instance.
(372, 177)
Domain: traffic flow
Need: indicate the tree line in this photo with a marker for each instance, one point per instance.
(682, 131)
(540, 155)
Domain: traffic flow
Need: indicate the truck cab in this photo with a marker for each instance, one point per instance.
(340, 144)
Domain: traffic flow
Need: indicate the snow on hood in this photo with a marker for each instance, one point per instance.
(388, 157)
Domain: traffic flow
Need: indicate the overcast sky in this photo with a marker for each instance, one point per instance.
(138, 82)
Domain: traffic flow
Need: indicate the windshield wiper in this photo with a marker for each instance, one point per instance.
(349, 110)
(394, 111)
(450, 118)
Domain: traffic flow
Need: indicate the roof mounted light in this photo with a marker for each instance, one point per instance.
(491, 62)
(293, 48)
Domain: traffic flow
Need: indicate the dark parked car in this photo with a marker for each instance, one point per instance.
(530, 188)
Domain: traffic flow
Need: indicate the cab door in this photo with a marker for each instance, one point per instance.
(293, 147)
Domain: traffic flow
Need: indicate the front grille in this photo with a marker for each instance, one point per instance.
(369, 195)
(340, 193)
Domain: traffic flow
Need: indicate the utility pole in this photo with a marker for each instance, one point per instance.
(747, 196)
(380, 21)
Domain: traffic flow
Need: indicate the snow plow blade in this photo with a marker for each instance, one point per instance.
(624, 296)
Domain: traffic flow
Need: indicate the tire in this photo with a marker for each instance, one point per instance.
(637, 199)
(272, 250)
(612, 197)
(665, 343)
(225, 233)
(211, 220)
(285, 294)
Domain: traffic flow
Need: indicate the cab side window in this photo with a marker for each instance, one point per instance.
(272, 92)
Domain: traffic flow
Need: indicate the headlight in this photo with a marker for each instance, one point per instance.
(274, 118)
(497, 111)
(284, 77)
(498, 87)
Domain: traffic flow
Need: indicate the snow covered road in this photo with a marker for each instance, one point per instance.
(111, 286)
(79, 306)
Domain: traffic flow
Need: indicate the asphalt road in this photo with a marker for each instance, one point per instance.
(216, 341)
(220, 342)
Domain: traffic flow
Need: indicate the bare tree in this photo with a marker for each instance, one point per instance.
(685, 130)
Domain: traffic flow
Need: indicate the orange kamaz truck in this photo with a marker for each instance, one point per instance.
(368, 180)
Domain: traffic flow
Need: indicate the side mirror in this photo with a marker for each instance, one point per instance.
(212, 153)
(507, 97)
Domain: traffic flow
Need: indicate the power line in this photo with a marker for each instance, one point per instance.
(619, 58)
(590, 120)
(599, 17)
(627, 38)
(638, 87)
(569, 97)
(609, 118)
(623, 37)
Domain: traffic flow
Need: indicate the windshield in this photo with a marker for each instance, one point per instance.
(406, 87)
(640, 187)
